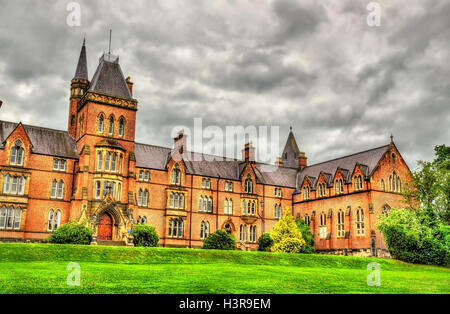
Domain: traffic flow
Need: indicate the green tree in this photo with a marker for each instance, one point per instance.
(421, 232)
(306, 234)
(144, 235)
(265, 242)
(430, 191)
(71, 233)
(219, 240)
(411, 240)
(286, 236)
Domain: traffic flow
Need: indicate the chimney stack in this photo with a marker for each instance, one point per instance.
(179, 142)
(302, 160)
(248, 152)
(279, 162)
(130, 85)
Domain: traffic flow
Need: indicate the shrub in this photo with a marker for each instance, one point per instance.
(306, 234)
(410, 240)
(287, 229)
(71, 233)
(144, 235)
(289, 245)
(265, 242)
(219, 240)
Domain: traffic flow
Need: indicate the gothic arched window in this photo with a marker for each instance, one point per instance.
(111, 125)
(323, 226)
(340, 223)
(17, 153)
(359, 221)
(140, 197)
(54, 187)
(121, 126)
(101, 124)
(145, 198)
(248, 185)
(176, 175)
(307, 220)
(60, 189)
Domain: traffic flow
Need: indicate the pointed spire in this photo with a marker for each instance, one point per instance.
(82, 71)
(291, 151)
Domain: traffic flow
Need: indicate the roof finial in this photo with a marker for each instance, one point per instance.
(392, 137)
(84, 39)
(290, 128)
(110, 35)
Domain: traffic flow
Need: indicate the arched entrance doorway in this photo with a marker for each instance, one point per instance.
(104, 229)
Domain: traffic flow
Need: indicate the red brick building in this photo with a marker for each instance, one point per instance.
(96, 173)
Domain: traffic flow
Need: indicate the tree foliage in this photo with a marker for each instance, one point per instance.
(219, 240)
(144, 235)
(265, 242)
(431, 188)
(421, 232)
(71, 233)
(411, 240)
(306, 234)
(286, 236)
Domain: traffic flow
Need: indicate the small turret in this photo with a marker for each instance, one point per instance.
(80, 81)
(291, 152)
(78, 87)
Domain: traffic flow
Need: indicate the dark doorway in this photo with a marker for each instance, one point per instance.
(104, 229)
(373, 247)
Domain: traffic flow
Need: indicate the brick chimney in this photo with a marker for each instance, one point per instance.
(130, 85)
(302, 160)
(279, 162)
(248, 153)
(179, 142)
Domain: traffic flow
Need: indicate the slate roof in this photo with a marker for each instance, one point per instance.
(155, 157)
(82, 70)
(45, 141)
(368, 160)
(61, 144)
(108, 78)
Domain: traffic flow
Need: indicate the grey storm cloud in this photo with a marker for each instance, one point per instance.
(316, 66)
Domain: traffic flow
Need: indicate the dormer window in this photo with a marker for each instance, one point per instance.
(322, 189)
(358, 183)
(339, 186)
(176, 175)
(248, 188)
(306, 191)
(17, 153)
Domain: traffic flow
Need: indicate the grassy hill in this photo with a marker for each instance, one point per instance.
(41, 268)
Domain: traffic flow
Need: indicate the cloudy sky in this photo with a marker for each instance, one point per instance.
(316, 65)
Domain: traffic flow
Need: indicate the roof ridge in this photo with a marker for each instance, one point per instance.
(203, 154)
(364, 151)
(36, 126)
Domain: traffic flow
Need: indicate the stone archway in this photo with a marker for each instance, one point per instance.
(228, 226)
(110, 224)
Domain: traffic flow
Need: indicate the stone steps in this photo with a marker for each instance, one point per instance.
(111, 243)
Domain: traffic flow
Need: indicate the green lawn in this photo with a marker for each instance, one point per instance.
(41, 268)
